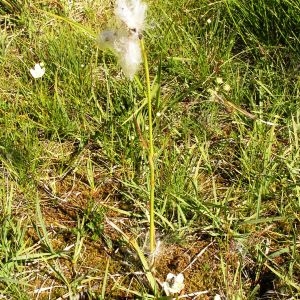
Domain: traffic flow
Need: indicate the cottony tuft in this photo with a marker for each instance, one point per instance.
(124, 41)
(132, 13)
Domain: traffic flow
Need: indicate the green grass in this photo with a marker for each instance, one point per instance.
(74, 185)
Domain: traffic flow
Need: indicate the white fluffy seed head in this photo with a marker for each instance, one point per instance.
(132, 13)
(124, 41)
(107, 39)
(129, 54)
(131, 58)
(127, 49)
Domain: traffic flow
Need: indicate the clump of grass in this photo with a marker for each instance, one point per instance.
(275, 19)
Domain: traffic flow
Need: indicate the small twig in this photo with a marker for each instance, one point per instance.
(139, 132)
(194, 294)
(217, 98)
(197, 256)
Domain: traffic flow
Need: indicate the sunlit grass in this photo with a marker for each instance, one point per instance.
(74, 182)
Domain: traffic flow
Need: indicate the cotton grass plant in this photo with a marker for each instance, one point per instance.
(126, 41)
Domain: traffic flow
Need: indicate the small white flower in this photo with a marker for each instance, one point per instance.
(132, 13)
(226, 87)
(219, 80)
(217, 297)
(38, 71)
(208, 21)
(158, 114)
(173, 284)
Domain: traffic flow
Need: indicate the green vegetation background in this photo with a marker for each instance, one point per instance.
(226, 154)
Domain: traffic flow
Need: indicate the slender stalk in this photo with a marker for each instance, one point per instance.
(150, 151)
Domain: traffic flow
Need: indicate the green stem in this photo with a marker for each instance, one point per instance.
(150, 151)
